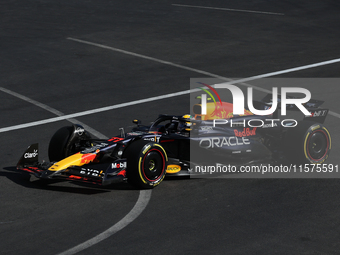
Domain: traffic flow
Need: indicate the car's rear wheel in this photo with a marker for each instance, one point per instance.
(146, 164)
(308, 142)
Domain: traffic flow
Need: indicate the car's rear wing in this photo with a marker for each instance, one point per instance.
(317, 114)
(311, 104)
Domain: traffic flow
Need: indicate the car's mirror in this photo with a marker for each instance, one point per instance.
(136, 121)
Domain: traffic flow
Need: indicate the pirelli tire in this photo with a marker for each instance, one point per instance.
(58, 142)
(146, 164)
(308, 142)
(66, 141)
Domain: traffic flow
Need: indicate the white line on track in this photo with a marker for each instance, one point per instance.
(79, 114)
(230, 81)
(52, 110)
(112, 107)
(5, 222)
(139, 207)
(227, 9)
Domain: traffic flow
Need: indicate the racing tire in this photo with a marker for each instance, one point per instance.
(308, 142)
(58, 142)
(146, 164)
(66, 141)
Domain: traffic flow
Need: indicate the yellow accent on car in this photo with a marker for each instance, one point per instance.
(166, 155)
(172, 169)
(73, 160)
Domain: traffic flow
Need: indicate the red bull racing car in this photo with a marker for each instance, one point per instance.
(171, 145)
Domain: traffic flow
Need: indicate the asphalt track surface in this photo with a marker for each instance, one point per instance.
(239, 39)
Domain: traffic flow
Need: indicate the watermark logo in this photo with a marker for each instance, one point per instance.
(256, 131)
(238, 100)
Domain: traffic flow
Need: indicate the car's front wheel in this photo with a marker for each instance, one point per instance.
(146, 164)
(67, 141)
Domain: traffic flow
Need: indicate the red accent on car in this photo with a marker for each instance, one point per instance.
(123, 173)
(115, 139)
(87, 158)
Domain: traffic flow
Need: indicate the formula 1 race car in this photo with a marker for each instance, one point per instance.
(171, 144)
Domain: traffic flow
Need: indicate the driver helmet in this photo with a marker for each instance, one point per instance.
(186, 124)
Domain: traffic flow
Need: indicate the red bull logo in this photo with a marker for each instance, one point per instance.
(220, 110)
(245, 132)
(77, 159)
(216, 109)
(87, 158)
